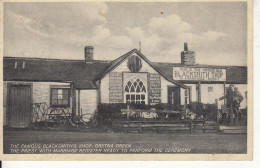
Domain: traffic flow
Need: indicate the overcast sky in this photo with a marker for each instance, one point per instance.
(215, 31)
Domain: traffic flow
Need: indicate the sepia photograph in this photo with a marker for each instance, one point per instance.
(126, 78)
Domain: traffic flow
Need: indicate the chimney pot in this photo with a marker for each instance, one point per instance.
(89, 53)
(185, 46)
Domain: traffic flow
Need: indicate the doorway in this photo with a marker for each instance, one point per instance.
(174, 95)
(19, 105)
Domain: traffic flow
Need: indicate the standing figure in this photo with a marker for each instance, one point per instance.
(230, 97)
(238, 98)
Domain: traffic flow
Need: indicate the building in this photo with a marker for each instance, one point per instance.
(81, 85)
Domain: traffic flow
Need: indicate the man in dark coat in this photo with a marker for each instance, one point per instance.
(238, 98)
(230, 97)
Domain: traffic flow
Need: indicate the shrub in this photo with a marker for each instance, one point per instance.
(208, 111)
(107, 113)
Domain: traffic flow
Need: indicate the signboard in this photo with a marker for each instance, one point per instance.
(115, 87)
(199, 74)
(155, 88)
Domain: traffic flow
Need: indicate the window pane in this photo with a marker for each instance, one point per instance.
(59, 97)
(135, 83)
(54, 96)
(65, 102)
(129, 84)
(142, 102)
(126, 89)
(65, 92)
(143, 89)
(60, 91)
(54, 102)
(142, 97)
(54, 91)
(138, 89)
(137, 97)
(132, 89)
(65, 97)
(127, 97)
(132, 97)
(59, 102)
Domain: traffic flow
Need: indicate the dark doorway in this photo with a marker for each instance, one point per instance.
(19, 106)
(174, 95)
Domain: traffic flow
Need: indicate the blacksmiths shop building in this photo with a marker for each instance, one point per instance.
(81, 85)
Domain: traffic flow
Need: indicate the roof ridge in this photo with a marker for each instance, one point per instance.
(199, 65)
(53, 59)
(111, 64)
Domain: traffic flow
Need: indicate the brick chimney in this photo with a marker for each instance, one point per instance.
(188, 57)
(89, 53)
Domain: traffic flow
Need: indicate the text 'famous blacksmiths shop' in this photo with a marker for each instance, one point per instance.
(81, 85)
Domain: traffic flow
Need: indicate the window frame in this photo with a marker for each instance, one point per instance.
(135, 94)
(59, 105)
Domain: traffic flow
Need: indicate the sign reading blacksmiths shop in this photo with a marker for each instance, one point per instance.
(199, 74)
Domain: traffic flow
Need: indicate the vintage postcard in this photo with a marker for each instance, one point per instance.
(118, 80)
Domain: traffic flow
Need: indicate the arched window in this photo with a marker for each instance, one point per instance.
(135, 92)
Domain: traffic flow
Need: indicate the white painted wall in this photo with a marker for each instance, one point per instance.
(104, 89)
(218, 91)
(209, 97)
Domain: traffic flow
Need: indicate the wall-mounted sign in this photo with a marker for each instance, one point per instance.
(134, 63)
(154, 88)
(115, 87)
(199, 74)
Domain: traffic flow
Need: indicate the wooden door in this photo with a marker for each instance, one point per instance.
(174, 95)
(19, 105)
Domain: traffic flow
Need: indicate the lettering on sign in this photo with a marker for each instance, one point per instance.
(199, 74)
(155, 88)
(115, 87)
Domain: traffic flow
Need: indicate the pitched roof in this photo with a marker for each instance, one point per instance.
(234, 74)
(83, 74)
(77, 71)
(119, 60)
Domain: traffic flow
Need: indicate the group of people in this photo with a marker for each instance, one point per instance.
(234, 98)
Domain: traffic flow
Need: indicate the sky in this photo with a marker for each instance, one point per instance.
(217, 32)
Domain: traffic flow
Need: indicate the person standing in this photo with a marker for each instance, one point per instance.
(230, 97)
(238, 98)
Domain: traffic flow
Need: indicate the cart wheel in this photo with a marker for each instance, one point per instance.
(54, 120)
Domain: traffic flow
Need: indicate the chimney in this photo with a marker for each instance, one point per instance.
(188, 57)
(185, 46)
(89, 53)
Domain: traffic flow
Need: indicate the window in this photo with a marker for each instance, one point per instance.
(60, 97)
(186, 96)
(210, 89)
(135, 92)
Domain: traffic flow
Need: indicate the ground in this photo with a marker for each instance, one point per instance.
(134, 142)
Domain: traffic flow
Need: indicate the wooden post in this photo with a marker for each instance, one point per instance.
(185, 110)
(79, 103)
(73, 96)
(199, 92)
(216, 101)
(190, 94)
(191, 124)
(225, 101)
